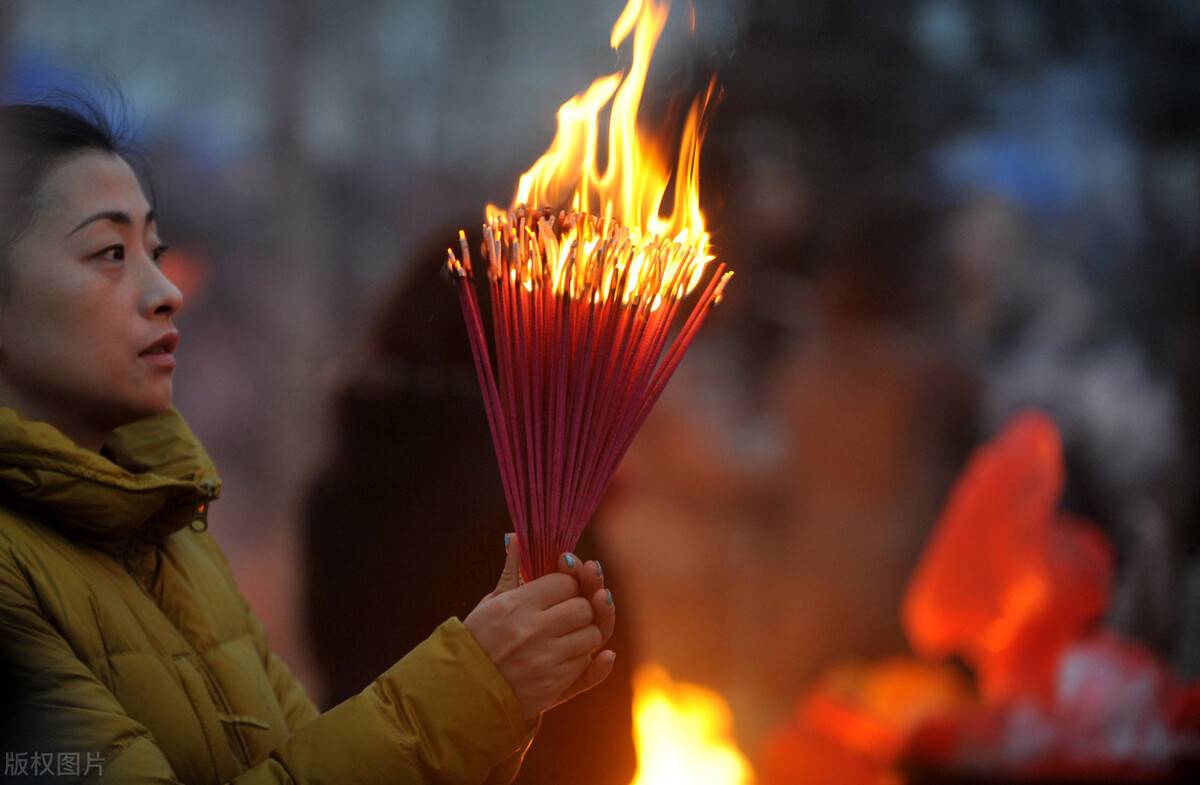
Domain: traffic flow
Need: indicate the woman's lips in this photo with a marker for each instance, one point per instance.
(159, 358)
(162, 352)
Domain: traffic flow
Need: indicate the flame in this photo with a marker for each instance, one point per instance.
(682, 733)
(630, 189)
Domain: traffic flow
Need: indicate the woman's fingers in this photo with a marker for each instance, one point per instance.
(569, 564)
(578, 643)
(589, 574)
(510, 578)
(604, 613)
(591, 578)
(567, 617)
(548, 590)
(597, 670)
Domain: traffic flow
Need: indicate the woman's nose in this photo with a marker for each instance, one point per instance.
(161, 297)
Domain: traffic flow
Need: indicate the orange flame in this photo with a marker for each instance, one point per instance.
(631, 188)
(682, 733)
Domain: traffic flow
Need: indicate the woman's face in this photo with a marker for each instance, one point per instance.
(86, 302)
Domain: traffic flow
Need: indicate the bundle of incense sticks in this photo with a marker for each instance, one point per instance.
(582, 316)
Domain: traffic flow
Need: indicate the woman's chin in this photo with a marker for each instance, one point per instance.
(149, 402)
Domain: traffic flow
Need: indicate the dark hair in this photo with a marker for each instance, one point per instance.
(34, 137)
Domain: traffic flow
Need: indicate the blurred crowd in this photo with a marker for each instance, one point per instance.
(941, 213)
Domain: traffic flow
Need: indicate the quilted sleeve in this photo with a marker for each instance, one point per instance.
(60, 707)
(442, 714)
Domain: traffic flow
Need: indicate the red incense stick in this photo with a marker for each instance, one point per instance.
(581, 314)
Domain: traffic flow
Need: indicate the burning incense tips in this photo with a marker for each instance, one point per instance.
(585, 300)
(582, 316)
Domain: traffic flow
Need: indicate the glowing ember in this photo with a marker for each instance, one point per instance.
(683, 734)
(586, 280)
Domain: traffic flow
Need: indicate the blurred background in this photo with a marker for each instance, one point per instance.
(941, 213)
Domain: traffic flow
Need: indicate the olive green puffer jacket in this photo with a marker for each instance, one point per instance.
(137, 660)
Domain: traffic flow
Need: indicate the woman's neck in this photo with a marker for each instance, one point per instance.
(75, 427)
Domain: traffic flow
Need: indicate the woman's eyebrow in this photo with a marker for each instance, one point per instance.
(116, 216)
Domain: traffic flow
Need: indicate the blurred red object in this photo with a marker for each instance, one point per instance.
(801, 756)
(1111, 719)
(1016, 588)
(855, 723)
(1008, 581)
(189, 270)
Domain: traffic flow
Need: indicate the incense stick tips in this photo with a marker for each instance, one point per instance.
(720, 291)
(453, 268)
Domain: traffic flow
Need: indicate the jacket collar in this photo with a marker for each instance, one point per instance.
(150, 479)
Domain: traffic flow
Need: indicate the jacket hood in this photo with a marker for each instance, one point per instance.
(150, 479)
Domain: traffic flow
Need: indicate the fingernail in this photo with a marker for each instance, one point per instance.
(599, 569)
(569, 559)
(609, 593)
(507, 539)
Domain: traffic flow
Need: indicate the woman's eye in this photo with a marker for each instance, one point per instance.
(114, 253)
(160, 252)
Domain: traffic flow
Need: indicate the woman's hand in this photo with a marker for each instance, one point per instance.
(590, 577)
(542, 635)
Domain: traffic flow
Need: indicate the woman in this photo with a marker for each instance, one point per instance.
(135, 657)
